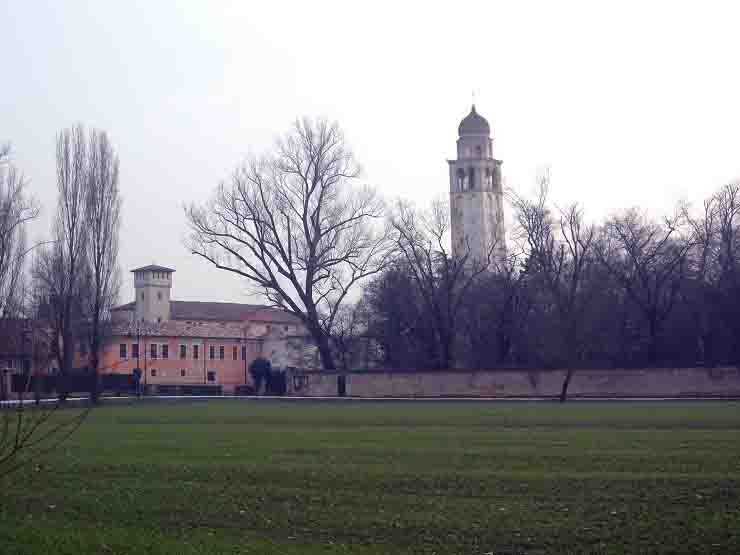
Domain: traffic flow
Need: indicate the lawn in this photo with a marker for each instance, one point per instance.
(229, 476)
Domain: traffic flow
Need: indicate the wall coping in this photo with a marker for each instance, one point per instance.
(715, 369)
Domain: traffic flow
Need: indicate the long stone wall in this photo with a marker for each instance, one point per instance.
(668, 382)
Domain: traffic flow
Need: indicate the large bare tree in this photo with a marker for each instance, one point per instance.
(26, 432)
(296, 227)
(649, 261)
(77, 277)
(558, 248)
(102, 217)
(59, 269)
(713, 289)
(17, 209)
(442, 280)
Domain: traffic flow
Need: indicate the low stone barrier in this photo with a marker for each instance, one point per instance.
(657, 382)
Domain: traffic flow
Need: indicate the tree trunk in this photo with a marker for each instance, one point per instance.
(566, 383)
(322, 343)
(95, 385)
(652, 340)
(446, 352)
(94, 355)
(65, 369)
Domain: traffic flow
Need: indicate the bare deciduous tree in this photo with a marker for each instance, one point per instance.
(494, 316)
(59, 268)
(558, 253)
(649, 262)
(17, 209)
(727, 260)
(296, 228)
(102, 218)
(348, 336)
(713, 287)
(77, 277)
(26, 432)
(443, 281)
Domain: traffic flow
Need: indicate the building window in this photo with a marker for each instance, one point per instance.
(135, 350)
(165, 350)
(182, 372)
(211, 352)
(286, 328)
(159, 295)
(183, 351)
(221, 352)
(233, 352)
(122, 351)
(196, 349)
(142, 296)
(244, 352)
(153, 350)
(154, 372)
(211, 376)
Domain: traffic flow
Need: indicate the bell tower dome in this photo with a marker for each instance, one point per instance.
(476, 195)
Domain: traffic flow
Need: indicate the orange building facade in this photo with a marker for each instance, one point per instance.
(184, 342)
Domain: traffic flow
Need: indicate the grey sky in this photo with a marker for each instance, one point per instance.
(628, 103)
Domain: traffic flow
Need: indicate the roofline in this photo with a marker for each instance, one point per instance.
(158, 269)
(182, 338)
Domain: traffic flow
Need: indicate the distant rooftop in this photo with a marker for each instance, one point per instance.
(153, 268)
(225, 312)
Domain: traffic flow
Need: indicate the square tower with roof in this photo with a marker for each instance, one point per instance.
(152, 286)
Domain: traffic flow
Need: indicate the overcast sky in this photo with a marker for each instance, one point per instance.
(629, 104)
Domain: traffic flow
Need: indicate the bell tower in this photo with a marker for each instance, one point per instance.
(476, 195)
(152, 286)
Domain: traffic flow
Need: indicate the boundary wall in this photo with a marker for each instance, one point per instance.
(659, 382)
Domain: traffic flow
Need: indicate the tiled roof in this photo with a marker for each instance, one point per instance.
(223, 312)
(194, 310)
(153, 268)
(275, 315)
(174, 328)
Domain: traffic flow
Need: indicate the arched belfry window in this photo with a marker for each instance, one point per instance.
(489, 178)
(460, 179)
(471, 178)
(479, 151)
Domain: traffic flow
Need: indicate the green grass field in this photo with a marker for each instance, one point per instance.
(253, 477)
